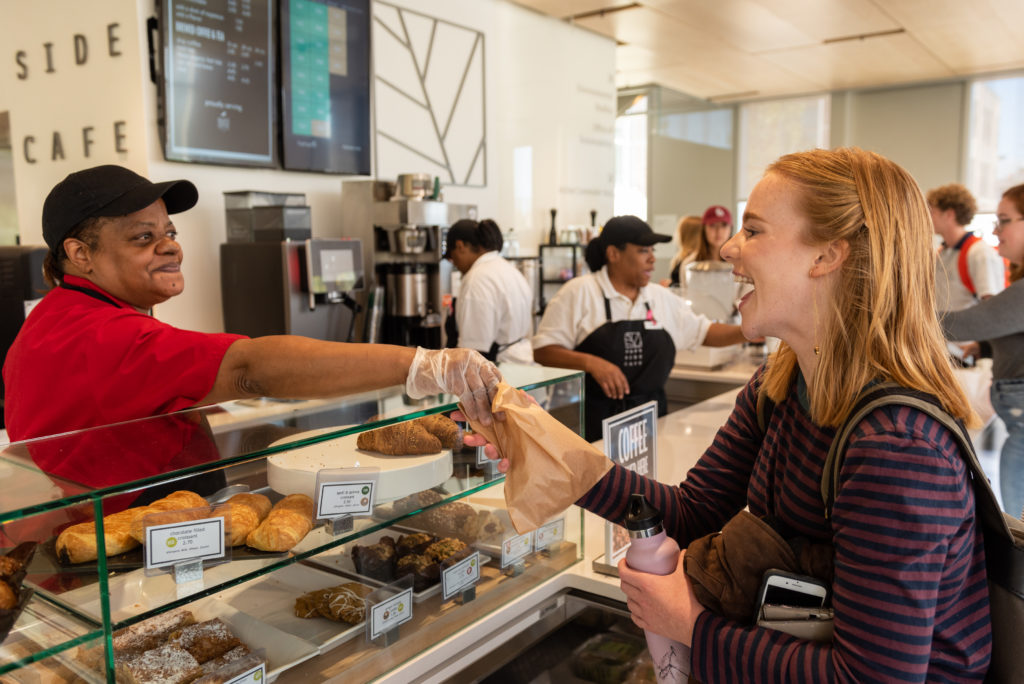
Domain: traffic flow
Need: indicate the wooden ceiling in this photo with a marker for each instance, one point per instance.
(728, 50)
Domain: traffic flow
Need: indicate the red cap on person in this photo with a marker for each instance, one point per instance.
(717, 214)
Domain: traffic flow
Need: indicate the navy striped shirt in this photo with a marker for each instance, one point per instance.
(910, 592)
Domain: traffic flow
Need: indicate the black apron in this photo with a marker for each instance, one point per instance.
(645, 357)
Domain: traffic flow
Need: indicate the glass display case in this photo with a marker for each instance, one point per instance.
(92, 600)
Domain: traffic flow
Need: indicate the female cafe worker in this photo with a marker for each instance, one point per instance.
(90, 354)
(619, 327)
(494, 308)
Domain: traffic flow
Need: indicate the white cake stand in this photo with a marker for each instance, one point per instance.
(294, 472)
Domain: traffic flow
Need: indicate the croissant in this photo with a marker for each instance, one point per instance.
(288, 522)
(178, 506)
(444, 428)
(426, 435)
(245, 513)
(77, 544)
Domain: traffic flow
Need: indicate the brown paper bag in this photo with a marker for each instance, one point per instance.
(550, 466)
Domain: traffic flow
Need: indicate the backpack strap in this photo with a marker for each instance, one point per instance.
(961, 263)
(886, 393)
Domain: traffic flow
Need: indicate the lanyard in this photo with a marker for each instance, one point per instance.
(91, 293)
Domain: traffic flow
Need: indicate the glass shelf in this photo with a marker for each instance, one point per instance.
(78, 606)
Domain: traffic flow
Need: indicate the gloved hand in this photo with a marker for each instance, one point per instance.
(462, 372)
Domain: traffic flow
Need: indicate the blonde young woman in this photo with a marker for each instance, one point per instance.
(837, 247)
(688, 234)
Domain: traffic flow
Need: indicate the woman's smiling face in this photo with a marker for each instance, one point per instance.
(769, 253)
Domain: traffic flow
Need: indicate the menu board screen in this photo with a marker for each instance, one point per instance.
(325, 79)
(219, 89)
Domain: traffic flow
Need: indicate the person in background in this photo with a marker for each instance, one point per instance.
(837, 245)
(620, 328)
(999, 320)
(717, 228)
(493, 311)
(688, 234)
(91, 354)
(969, 271)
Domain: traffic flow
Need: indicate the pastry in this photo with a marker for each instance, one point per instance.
(425, 571)
(220, 661)
(413, 543)
(308, 605)
(488, 525)
(77, 544)
(206, 640)
(444, 549)
(180, 506)
(245, 512)
(444, 428)
(454, 519)
(288, 522)
(376, 561)
(402, 439)
(8, 597)
(148, 634)
(167, 664)
(416, 501)
(231, 669)
(344, 603)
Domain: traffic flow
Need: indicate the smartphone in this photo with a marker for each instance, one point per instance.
(780, 588)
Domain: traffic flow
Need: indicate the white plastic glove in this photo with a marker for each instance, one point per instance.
(462, 372)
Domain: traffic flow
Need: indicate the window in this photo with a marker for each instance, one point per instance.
(995, 146)
(631, 158)
(773, 128)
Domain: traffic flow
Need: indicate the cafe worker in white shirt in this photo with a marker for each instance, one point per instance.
(620, 328)
(494, 306)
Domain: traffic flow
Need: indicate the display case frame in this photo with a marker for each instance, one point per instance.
(83, 608)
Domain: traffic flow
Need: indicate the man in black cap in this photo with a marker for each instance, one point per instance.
(619, 327)
(90, 353)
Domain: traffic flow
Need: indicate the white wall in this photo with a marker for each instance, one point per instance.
(549, 88)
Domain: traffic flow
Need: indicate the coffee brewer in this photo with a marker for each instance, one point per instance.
(408, 238)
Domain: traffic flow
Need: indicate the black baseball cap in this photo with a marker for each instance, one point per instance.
(107, 190)
(630, 229)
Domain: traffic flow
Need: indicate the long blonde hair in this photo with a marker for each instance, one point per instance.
(882, 324)
(688, 232)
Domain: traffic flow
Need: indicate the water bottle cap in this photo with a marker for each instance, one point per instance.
(641, 515)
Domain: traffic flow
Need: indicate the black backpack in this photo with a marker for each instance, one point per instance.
(1004, 535)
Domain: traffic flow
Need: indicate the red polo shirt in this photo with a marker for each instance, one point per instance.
(81, 362)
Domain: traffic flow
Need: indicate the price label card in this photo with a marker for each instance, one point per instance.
(481, 457)
(549, 533)
(183, 542)
(463, 574)
(257, 675)
(515, 548)
(346, 491)
(390, 613)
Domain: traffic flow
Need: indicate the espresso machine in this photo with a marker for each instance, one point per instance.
(412, 281)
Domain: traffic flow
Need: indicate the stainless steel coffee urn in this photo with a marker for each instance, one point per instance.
(407, 232)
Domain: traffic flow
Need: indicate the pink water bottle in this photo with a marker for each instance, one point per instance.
(651, 550)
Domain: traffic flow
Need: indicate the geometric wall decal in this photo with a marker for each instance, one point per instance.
(429, 97)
